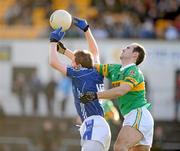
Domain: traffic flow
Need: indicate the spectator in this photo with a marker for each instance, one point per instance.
(50, 95)
(20, 90)
(147, 29)
(22, 13)
(171, 33)
(99, 31)
(177, 95)
(34, 90)
(1, 111)
(64, 86)
(13, 13)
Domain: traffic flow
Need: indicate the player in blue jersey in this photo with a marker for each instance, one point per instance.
(95, 131)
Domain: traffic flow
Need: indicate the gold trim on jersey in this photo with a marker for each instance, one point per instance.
(138, 118)
(118, 83)
(97, 66)
(139, 87)
(132, 80)
(105, 70)
(130, 84)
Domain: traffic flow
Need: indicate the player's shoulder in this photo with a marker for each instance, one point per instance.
(113, 68)
(109, 65)
(114, 65)
(133, 67)
(79, 70)
(88, 72)
(132, 70)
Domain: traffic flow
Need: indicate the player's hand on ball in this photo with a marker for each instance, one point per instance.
(56, 35)
(80, 23)
(88, 96)
(61, 48)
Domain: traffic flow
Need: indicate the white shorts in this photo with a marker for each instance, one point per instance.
(91, 145)
(142, 120)
(96, 128)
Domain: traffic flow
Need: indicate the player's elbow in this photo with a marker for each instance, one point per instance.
(52, 63)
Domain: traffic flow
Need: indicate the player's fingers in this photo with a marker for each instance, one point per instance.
(58, 30)
(61, 34)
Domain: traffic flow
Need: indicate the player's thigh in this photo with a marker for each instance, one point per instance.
(91, 145)
(140, 148)
(128, 136)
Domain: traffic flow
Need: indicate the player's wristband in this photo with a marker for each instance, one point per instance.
(53, 40)
(61, 48)
(86, 28)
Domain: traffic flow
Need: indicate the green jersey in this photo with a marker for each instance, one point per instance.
(130, 75)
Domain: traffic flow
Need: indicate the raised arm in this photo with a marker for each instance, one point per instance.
(83, 25)
(92, 45)
(55, 36)
(53, 59)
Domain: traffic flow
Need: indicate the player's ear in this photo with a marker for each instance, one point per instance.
(79, 65)
(135, 54)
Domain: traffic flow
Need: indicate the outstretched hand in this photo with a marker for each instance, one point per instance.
(88, 96)
(80, 23)
(56, 35)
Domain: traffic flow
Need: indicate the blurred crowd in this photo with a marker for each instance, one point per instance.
(21, 12)
(32, 87)
(108, 18)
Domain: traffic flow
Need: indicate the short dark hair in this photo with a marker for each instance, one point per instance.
(84, 58)
(141, 52)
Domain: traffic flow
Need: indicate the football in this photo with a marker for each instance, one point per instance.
(60, 18)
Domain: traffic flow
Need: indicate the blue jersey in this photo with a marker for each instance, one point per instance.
(84, 80)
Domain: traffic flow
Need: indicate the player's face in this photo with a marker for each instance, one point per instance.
(127, 53)
(73, 62)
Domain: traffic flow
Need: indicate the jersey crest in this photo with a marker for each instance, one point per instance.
(132, 72)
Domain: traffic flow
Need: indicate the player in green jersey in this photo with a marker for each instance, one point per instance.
(129, 87)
